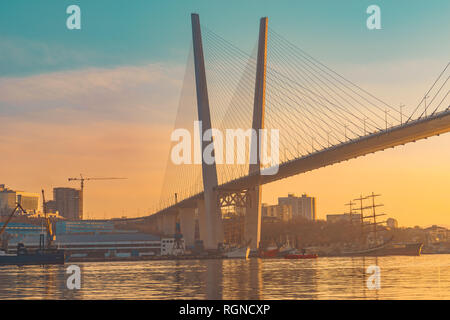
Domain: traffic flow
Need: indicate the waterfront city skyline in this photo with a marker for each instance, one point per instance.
(103, 104)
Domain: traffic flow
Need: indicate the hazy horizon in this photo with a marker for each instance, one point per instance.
(102, 101)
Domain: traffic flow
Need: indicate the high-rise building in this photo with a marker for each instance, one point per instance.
(277, 212)
(8, 199)
(50, 206)
(28, 200)
(68, 202)
(304, 206)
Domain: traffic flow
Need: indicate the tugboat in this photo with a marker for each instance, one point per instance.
(286, 249)
(269, 252)
(46, 254)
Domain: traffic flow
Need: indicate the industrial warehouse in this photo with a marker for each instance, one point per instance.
(91, 240)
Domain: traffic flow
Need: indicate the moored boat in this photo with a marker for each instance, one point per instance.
(286, 250)
(269, 253)
(37, 257)
(389, 249)
(376, 242)
(46, 254)
(241, 253)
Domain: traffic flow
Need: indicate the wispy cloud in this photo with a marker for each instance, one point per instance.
(25, 56)
(95, 121)
(132, 93)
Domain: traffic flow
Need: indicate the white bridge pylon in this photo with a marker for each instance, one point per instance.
(209, 214)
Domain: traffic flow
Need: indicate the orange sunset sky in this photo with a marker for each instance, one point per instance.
(102, 101)
(41, 152)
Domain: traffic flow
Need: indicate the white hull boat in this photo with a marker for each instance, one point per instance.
(240, 253)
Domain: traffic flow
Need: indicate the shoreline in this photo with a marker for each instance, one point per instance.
(215, 257)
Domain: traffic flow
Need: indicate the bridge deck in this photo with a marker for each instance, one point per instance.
(394, 136)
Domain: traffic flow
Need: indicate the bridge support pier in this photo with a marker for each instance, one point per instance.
(168, 223)
(157, 220)
(187, 224)
(202, 226)
(210, 225)
(252, 227)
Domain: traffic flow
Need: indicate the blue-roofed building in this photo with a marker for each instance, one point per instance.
(15, 228)
(84, 226)
(87, 239)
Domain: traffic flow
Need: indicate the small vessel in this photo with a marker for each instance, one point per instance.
(277, 251)
(286, 249)
(240, 252)
(42, 256)
(271, 252)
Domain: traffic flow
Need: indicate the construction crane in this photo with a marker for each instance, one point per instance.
(49, 229)
(4, 240)
(83, 179)
(18, 206)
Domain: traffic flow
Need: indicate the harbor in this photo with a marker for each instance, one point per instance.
(47, 239)
(99, 241)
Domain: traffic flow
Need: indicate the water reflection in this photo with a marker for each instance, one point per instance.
(214, 279)
(425, 277)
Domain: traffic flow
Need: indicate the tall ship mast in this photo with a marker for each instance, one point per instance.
(369, 221)
(373, 241)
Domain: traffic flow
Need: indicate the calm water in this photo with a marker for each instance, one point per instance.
(424, 277)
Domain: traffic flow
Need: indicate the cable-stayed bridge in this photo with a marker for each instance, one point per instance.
(322, 119)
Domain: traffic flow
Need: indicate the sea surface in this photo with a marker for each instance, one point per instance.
(423, 277)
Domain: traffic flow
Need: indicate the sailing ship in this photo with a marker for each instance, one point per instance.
(371, 244)
(389, 249)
